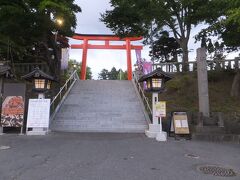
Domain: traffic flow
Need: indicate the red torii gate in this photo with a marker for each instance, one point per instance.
(106, 38)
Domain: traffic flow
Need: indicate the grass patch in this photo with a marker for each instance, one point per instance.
(182, 92)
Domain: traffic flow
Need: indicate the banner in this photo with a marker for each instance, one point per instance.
(65, 58)
(12, 111)
(138, 56)
(147, 67)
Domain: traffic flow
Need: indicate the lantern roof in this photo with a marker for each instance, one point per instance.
(157, 73)
(37, 74)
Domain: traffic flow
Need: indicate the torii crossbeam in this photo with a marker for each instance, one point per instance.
(107, 39)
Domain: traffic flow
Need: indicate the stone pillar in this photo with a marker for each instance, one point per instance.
(236, 64)
(202, 82)
(155, 129)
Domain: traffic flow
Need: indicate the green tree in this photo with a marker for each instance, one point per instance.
(29, 27)
(149, 17)
(103, 75)
(113, 74)
(225, 25)
(74, 65)
(122, 75)
(166, 48)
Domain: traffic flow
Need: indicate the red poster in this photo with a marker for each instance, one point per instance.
(12, 111)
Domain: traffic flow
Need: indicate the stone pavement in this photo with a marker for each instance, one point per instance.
(103, 156)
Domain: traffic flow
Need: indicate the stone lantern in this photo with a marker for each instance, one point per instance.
(41, 81)
(156, 84)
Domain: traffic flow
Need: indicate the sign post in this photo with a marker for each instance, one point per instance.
(160, 113)
(179, 124)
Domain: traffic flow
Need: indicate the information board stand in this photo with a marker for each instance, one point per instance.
(38, 116)
(179, 125)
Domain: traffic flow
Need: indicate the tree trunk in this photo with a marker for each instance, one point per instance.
(184, 46)
(235, 91)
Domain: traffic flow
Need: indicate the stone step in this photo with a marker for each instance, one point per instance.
(99, 115)
(134, 108)
(133, 129)
(99, 122)
(101, 106)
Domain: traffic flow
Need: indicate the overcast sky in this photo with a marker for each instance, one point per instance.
(88, 23)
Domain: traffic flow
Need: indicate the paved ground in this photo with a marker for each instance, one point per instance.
(72, 156)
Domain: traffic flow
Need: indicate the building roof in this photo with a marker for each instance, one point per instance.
(157, 73)
(37, 73)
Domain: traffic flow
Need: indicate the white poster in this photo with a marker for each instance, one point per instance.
(38, 113)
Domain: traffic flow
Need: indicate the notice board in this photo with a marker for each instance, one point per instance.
(180, 123)
(38, 113)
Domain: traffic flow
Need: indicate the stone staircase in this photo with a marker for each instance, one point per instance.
(101, 106)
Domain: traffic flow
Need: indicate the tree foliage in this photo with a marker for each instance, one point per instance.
(74, 65)
(114, 74)
(166, 48)
(28, 27)
(149, 17)
(103, 75)
(226, 26)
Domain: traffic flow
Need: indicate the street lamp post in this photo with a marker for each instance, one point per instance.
(155, 84)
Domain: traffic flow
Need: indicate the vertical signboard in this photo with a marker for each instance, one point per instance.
(12, 111)
(13, 105)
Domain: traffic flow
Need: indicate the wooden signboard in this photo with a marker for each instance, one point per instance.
(180, 123)
(12, 111)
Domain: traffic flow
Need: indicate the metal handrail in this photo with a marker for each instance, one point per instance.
(63, 92)
(141, 93)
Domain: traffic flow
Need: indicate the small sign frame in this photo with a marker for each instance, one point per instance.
(179, 124)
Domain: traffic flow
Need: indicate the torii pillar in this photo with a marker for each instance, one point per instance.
(106, 38)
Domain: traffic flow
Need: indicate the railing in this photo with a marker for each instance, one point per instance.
(142, 95)
(62, 94)
(211, 65)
